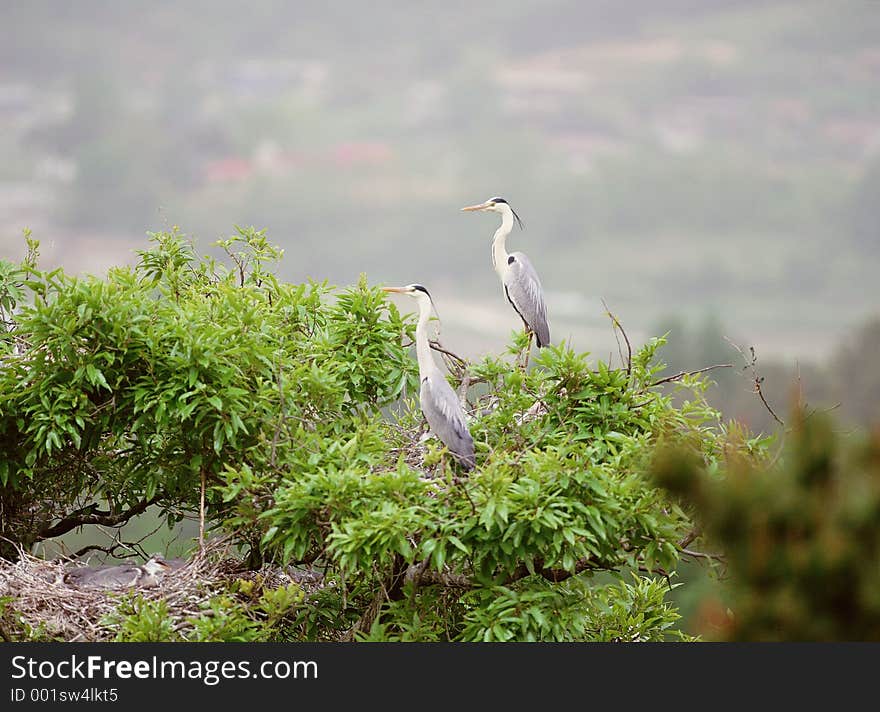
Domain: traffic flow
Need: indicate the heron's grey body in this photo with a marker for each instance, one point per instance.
(444, 415)
(119, 576)
(438, 401)
(522, 286)
(523, 290)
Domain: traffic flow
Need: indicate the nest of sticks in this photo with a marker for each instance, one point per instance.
(35, 600)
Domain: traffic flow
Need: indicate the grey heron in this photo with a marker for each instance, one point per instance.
(118, 576)
(520, 281)
(438, 401)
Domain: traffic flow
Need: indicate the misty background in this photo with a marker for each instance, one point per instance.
(708, 167)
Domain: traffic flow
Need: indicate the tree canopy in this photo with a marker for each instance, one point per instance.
(292, 409)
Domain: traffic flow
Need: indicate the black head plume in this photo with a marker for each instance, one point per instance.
(518, 221)
(499, 199)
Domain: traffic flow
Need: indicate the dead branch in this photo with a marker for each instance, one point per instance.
(750, 364)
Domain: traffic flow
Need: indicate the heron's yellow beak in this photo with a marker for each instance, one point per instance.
(481, 206)
(396, 290)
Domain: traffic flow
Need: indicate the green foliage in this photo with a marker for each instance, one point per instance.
(559, 493)
(142, 621)
(635, 612)
(296, 404)
(175, 368)
(800, 534)
(246, 614)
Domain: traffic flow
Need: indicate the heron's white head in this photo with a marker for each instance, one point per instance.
(495, 205)
(156, 564)
(420, 294)
(416, 291)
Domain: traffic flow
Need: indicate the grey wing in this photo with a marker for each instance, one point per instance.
(120, 576)
(525, 293)
(445, 417)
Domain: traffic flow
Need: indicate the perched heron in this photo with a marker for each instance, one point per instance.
(119, 576)
(439, 403)
(522, 287)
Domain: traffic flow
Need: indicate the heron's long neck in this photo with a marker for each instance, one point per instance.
(423, 348)
(499, 252)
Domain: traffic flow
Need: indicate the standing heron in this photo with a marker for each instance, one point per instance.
(522, 287)
(439, 403)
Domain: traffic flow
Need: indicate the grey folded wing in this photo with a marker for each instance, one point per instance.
(446, 418)
(524, 291)
(121, 576)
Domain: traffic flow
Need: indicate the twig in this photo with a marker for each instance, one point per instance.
(462, 363)
(690, 537)
(615, 323)
(280, 417)
(390, 589)
(133, 546)
(419, 575)
(109, 550)
(202, 511)
(703, 555)
(463, 482)
(681, 374)
(463, 389)
(117, 543)
(821, 410)
(758, 380)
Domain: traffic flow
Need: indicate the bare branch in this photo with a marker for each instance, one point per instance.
(690, 537)
(92, 515)
(463, 389)
(420, 575)
(390, 589)
(202, 486)
(822, 410)
(615, 323)
(750, 364)
(461, 362)
(280, 422)
(703, 555)
(91, 547)
(681, 374)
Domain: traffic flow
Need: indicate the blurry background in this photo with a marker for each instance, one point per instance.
(709, 167)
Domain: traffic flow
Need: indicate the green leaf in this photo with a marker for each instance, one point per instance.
(458, 543)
